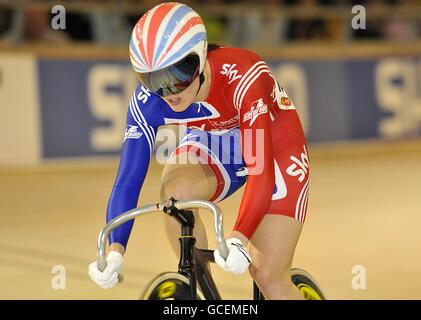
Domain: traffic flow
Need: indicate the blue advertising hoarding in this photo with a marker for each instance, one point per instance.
(84, 102)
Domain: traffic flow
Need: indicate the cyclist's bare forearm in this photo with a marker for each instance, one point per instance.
(115, 246)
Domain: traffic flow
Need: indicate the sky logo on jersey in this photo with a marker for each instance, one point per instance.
(300, 167)
(258, 107)
(230, 71)
(132, 133)
(143, 95)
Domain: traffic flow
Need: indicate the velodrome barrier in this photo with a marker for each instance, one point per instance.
(64, 106)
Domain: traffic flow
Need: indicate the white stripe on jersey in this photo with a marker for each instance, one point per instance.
(304, 211)
(300, 200)
(266, 70)
(244, 78)
(141, 126)
(245, 83)
(242, 89)
(151, 131)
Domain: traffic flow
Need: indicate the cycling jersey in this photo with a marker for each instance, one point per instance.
(244, 96)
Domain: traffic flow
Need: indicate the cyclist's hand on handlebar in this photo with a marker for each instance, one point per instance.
(238, 259)
(109, 277)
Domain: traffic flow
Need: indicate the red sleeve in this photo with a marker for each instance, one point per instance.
(253, 103)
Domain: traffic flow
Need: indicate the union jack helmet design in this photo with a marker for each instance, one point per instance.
(165, 35)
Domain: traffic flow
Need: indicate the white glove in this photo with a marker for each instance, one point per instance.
(238, 259)
(109, 277)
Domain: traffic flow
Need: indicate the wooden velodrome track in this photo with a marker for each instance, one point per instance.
(364, 209)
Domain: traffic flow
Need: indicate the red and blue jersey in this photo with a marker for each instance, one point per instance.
(244, 96)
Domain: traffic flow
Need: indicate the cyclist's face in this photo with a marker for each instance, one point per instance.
(181, 101)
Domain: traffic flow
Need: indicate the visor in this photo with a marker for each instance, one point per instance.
(173, 79)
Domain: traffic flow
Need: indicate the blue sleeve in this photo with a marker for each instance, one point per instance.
(143, 118)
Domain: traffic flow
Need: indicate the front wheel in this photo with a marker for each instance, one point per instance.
(169, 286)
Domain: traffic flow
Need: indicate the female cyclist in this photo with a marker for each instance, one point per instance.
(222, 95)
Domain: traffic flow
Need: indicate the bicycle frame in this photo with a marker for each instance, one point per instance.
(194, 262)
(208, 286)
